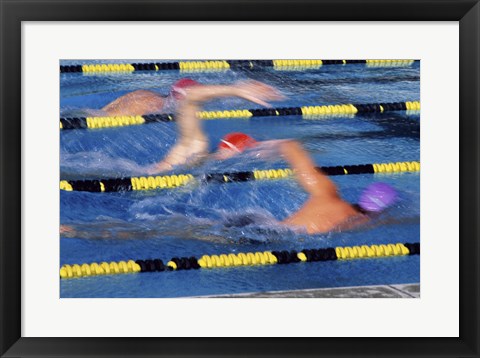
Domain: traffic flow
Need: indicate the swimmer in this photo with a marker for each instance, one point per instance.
(141, 102)
(325, 210)
(192, 145)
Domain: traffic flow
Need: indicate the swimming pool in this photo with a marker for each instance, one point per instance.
(194, 220)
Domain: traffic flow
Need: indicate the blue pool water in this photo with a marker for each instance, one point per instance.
(193, 220)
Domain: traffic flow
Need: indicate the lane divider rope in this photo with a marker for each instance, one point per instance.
(177, 180)
(240, 259)
(222, 65)
(308, 112)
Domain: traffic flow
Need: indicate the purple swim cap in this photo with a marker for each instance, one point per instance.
(377, 196)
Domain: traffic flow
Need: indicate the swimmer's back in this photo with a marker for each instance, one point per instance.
(136, 103)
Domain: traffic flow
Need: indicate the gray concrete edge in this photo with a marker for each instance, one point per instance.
(379, 291)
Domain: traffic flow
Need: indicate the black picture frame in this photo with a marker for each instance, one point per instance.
(13, 12)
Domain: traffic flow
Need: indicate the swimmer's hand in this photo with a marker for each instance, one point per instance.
(65, 229)
(258, 92)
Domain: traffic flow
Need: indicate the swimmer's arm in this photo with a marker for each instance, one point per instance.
(192, 143)
(253, 91)
(205, 93)
(311, 179)
(74, 232)
(84, 232)
(189, 124)
(372, 221)
(65, 229)
(106, 230)
(395, 220)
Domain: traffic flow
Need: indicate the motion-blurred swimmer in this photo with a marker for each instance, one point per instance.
(325, 210)
(141, 102)
(192, 144)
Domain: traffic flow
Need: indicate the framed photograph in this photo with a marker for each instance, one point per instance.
(178, 178)
(245, 185)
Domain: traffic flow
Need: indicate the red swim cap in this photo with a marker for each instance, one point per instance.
(178, 88)
(237, 142)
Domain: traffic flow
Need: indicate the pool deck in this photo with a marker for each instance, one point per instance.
(383, 291)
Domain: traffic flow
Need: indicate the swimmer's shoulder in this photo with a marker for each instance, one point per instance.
(323, 214)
